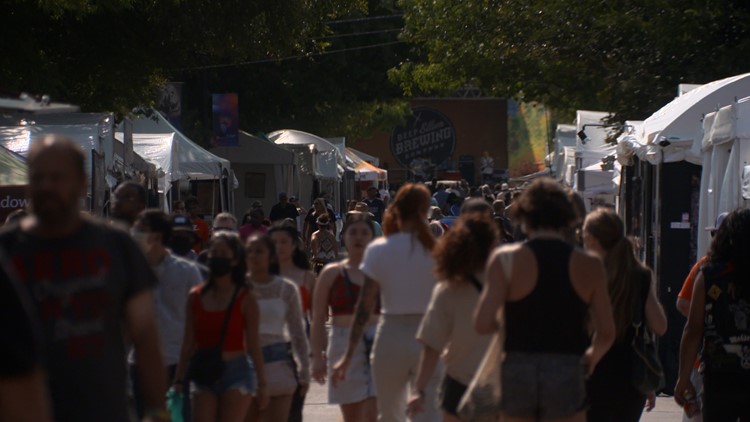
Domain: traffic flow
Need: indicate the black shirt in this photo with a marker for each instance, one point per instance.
(19, 333)
(280, 212)
(376, 207)
(80, 286)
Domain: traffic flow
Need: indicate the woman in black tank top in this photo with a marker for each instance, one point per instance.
(546, 298)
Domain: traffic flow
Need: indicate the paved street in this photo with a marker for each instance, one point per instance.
(317, 409)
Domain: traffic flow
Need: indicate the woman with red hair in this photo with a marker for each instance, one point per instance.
(400, 267)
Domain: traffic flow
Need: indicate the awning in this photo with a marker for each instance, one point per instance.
(365, 171)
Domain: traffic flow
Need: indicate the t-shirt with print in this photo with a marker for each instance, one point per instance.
(448, 327)
(81, 285)
(376, 207)
(403, 269)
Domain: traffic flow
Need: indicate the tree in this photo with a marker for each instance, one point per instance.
(113, 55)
(622, 56)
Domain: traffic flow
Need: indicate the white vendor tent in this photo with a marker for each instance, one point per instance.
(676, 127)
(725, 178)
(364, 171)
(327, 155)
(564, 155)
(175, 156)
(13, 170)
(596, 146)
(319, 162)
(263, 168)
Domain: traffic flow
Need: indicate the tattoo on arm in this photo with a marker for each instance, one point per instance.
(365, 304)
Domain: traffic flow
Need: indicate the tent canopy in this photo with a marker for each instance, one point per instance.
(327, 156)
(365, 171)
(255, 150)
(179, 158)
(679, 122)
(13, 170)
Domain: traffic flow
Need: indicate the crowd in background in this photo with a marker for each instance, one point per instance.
(395, 307)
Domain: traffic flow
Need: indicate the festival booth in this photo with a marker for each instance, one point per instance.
(562, 159)
(319, 163)
(178, 160)
(93, 131)
(263, 168)
(726, 154)
(13, 181)
(663, 182)
(595, 164)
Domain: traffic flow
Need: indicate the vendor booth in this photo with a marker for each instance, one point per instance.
(319, 163)
(263, 170)
(179, 160)
(13, 181)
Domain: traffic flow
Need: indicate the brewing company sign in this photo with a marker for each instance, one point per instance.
(427, 135)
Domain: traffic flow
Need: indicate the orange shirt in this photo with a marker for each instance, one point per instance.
(687, 287)
(686, 292)
(200, 227)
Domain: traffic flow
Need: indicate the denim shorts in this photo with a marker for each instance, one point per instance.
(239, 373)
(543, 385)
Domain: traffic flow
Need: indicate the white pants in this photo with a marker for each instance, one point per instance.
(394, 364)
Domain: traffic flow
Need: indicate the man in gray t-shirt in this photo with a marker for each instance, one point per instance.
(177, 276)
(87, 281)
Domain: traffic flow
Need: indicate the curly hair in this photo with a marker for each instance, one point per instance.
(463, 250)
(731, 245)
(410, 205)
(545, 205)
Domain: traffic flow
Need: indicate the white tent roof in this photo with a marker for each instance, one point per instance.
(375, 161)
(13, 169)
(255, 150)
(93, 131)
(328, 157)
(679, 122)
(158, 142)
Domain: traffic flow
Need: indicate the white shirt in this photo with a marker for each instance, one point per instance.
(404, 270)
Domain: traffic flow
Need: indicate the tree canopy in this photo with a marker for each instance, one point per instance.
(626, 57)
(308, 64)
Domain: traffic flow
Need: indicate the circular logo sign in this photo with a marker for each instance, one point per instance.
(428, 136)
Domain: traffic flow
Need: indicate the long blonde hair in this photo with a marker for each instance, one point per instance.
(624, 270)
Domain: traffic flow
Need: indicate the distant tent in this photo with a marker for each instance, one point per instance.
(13, 170)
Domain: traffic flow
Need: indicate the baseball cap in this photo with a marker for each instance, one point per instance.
(182, 222)
(719, 219)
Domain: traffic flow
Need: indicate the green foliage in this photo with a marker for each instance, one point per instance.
(623, 56)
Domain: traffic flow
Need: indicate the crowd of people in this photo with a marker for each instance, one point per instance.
(395, 312)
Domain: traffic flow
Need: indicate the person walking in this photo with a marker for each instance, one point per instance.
(89, 282)
(323, 244)
(223, 313)
(283, 209)
(310, 226)
(375, 205)
(552, 295)
(447, 329)
(128, 200)
(200, 227)
(338, 289)
(718, 321)
(282, 332)
(399, 267)
(177, 277)
(612, 397)
(293, 265)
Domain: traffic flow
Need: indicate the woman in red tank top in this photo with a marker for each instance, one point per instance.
(231, 395)
(338, 288)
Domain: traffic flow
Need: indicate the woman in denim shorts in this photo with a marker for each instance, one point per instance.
(230, 396)
(553, 290)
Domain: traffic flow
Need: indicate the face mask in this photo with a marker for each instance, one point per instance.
(219, 266)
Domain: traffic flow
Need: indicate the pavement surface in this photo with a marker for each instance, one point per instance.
(317, 408)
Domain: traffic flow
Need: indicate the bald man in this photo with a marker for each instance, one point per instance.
(88, 281)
